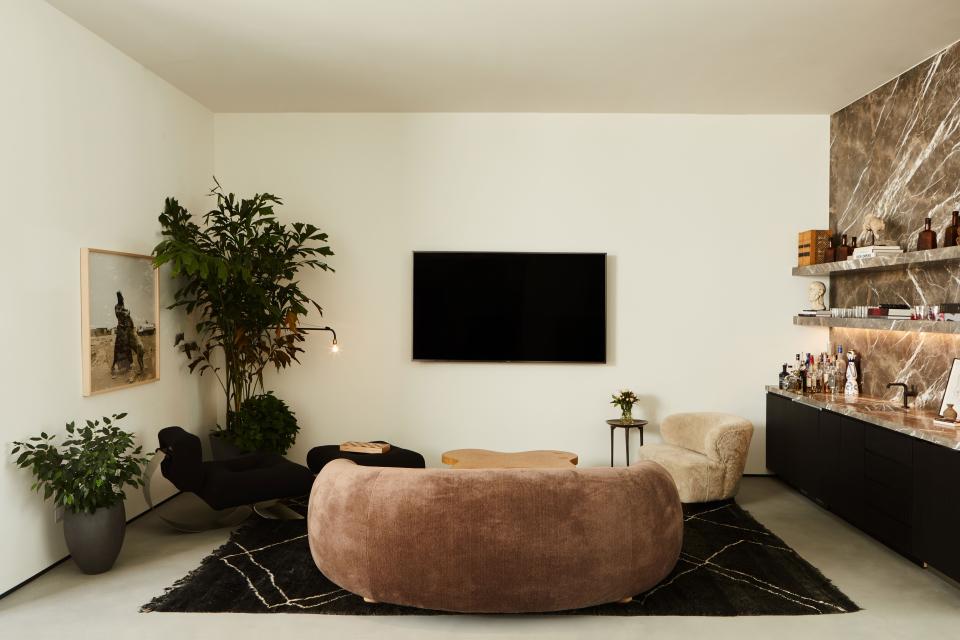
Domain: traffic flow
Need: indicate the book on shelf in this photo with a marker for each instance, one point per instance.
(870, 252)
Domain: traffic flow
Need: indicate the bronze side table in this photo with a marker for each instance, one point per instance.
(626, 425)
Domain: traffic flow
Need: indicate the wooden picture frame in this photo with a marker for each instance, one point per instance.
(951, 393)
(119, 320)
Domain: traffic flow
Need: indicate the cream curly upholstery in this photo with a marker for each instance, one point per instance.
(705, 453)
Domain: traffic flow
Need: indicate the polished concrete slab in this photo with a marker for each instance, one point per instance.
(900, 599)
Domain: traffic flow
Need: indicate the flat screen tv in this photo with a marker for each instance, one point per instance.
(509, 307)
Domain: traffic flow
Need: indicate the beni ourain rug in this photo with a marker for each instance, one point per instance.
(730, 565)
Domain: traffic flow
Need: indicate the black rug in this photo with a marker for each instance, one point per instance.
(730, 565)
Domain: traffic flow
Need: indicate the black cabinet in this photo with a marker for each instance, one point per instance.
(936, 501)
(778, 435)
(888, 477)
(848, 500)
(792, 443)
(832, 477)
(903, 491)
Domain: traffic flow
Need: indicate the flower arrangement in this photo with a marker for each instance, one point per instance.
(625, 400)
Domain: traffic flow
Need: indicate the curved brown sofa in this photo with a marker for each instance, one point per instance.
(495, 540)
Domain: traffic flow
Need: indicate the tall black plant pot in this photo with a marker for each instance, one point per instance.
(95, 539)
(223, 449)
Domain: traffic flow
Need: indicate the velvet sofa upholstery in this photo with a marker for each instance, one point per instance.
(495, 540)
(705, 453)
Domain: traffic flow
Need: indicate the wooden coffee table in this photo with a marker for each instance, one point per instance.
(486, 459)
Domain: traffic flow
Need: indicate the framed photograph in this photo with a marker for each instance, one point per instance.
(951, 395)
(120, 318)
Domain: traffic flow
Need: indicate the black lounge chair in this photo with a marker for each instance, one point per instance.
(237, 484)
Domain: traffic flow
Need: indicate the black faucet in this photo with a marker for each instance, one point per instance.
(906, 392)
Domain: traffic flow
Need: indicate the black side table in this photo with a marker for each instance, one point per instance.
(626, 425)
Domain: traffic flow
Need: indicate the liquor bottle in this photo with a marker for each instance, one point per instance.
(950, 233)
(800, 376)
(783, 376)
(852, 385)
(830, 253)
(815, 374)
(840, 371)
(853, 246)
(843, 251)
(825, 385)
(927, 239)
(830, 377)
(796, 384)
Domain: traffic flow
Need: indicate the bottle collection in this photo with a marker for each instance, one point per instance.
(848, 249)
(819, 246)
(823, 373)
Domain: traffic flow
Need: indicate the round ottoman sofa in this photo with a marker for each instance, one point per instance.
(495, 540)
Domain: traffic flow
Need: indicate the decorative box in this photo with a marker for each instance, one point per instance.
(811, 246)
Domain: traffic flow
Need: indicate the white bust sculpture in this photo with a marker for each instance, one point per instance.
(873, 226)
(815, 293)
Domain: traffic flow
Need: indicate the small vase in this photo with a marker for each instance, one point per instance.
(950, 413)
(626, 414)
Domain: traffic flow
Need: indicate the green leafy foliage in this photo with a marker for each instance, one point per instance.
(265, 423)
(89, 470)
(238, 280)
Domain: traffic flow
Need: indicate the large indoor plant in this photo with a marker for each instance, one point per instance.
(238, 278)
(86, 475)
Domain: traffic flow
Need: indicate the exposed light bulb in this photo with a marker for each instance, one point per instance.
(334, 348)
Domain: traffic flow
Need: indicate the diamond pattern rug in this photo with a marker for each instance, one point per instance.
(730, 565)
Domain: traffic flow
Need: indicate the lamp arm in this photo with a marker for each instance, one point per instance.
(335, 347)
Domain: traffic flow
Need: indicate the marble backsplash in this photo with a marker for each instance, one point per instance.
(894, 154)
(922, 360)
(914, 285)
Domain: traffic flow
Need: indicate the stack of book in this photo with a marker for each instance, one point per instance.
(876, 251)
(890, 311)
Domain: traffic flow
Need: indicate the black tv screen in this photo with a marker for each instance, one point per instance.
(534, 307)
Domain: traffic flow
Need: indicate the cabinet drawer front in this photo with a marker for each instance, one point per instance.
(887, 530)
(890, 444)
(887, 472)
(851, 447)
(896, 502)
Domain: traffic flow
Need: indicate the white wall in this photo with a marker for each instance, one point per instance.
(91, 144)
(698, 213)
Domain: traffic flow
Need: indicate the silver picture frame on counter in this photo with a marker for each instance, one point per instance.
(951, 395)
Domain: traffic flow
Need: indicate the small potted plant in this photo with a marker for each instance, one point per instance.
(85, 476)
(625, 400)
(264, 424)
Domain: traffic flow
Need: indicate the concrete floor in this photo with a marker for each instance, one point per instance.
(900, 600)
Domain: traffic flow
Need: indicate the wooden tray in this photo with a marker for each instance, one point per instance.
(365, 447)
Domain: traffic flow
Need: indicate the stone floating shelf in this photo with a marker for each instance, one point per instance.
(884, 263)
(883, 324)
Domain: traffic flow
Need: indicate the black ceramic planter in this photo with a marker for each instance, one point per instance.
(95, 539)
(223, 449)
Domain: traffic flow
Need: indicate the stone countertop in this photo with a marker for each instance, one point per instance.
(883, 413)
